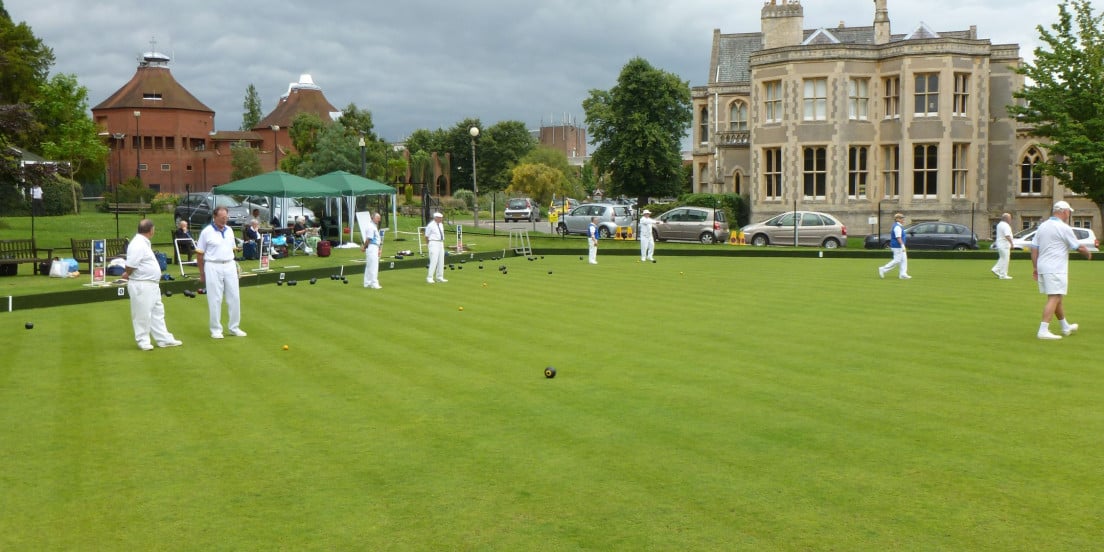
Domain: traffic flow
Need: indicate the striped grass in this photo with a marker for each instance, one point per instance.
(700, 404)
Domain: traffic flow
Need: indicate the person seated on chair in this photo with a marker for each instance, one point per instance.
(186, 247)
(251, 240)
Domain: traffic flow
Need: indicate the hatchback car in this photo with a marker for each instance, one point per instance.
(810, 227)
(610, 217)
(521, 208)
(929, 235)
(692, 224)
(562, 206)
(1022, 240)
(295, 209)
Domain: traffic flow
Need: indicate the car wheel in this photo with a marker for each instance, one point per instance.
(885, 245)
(603, 232)
(707, 238)
(759, 240)
(831, 243)
(561, 229)
(961, 247)
(655, 235)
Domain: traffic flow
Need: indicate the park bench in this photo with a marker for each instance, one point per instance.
(82, 249)
(129, 208)
(16, 252)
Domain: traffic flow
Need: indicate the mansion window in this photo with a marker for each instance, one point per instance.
(772, 101)
(892, 97)
(1080, 222)
(815, 100)
(815, 174)
(703, 125)
(891, 171)
(772, 173)
(738, 116)
(927, 95)
(961, 93)
(925, 171)
(857, 157)
(960, 171)
(858, 98)
(1031, 174)
(1030, 222)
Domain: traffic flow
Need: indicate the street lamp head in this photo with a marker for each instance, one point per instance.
(474, 131)
(137, 113)
(361, 141)
(276, 128)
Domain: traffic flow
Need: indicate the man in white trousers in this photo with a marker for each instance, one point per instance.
(143, 273)
(592, 240)
(647, 236)
(1050, 258)
(373, 242)
(897, 245)
(435, 235)
(1003, 243)
(219, 273)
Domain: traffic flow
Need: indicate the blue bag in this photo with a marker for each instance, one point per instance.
(162, 260)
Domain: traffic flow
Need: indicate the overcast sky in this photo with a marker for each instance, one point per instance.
(429, 64)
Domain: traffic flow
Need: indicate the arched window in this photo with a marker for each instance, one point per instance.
(703, 125)
(1031, 175)
(738, 116)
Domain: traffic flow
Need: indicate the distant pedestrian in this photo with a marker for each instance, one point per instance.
(372, 249)
(435, 236)
(1050, 258)
(897, 245)
(143, 274)
(219, 273)
(1003, 243)
(36, 200)
(592, 239)
(646, 235)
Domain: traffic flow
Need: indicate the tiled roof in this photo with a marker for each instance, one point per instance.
(298, 100)
(153, 88)
(235, 135)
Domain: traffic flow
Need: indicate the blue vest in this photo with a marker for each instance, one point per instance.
(592, 231)
(894, 243)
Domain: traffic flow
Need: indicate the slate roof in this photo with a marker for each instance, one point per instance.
(298, 100)
(153, 82)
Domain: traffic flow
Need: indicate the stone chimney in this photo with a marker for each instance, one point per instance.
(782, 22)
(881, 22)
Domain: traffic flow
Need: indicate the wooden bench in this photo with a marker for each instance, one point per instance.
(16, 252)
(82, 249)
(130, 208)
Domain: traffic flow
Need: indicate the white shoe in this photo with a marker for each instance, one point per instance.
(1047, 335)
(905, 277)
(429, 280)
(995, 273)
(173, 343)
(442, 280)
(216, 335)
(1069, 329)
(593, 262)
(881, 273)
(1006, 277)
(238, 333)
(145, 346)
(377, 286)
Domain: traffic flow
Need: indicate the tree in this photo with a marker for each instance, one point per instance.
(25, 61)
(555, 159)
(244, 160)
(66, 132)
(499, 149)
(251, 108)
(638, 127)
(357, 121)
(1064, 102)
(536, 180)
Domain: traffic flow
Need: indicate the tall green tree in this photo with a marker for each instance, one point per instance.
(244, 161)
(1064, 100)
(536, 180)
(638, 127)
(25, 61)
(555, 159)
(67, 132)
(251, 108)
(501, 146)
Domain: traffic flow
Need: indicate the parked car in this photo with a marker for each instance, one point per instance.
(692, 224)
(295, 209)
(929, 235)
(813, 228)
(562, 206)
(521, 208)
(196, 208)
(610, 217)
(1022, 240)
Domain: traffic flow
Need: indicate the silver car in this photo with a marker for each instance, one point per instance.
(692, 224)
(812, 228)
(609, 216)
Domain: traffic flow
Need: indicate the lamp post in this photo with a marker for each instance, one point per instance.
(118, 136)
(363, 156)
(137, 149)
(276, 147)
(474, 131)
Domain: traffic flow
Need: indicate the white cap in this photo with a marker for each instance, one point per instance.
(438, 215)
(647, 212)
(1062, 206)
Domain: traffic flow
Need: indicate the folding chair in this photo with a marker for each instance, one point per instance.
(189, 246)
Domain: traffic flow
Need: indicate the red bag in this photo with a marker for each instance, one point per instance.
(324, 248)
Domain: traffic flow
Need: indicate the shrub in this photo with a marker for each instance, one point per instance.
(164, 202)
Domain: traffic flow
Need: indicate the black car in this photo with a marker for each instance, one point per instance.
(196, 209)
(930, 235)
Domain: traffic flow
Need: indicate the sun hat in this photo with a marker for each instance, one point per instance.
(437, 215)
(1063, 206)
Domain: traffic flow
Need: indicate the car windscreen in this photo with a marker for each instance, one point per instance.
(517, 204)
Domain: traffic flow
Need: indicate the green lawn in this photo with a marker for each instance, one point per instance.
(700, 404)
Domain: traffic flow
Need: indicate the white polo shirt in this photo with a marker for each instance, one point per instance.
(435, 231)
(216, 245)
(1054, 239)
(141, 259)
